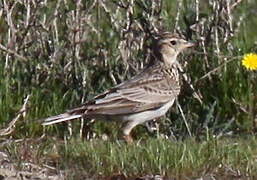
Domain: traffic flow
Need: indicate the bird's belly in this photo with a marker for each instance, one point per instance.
(144, 116)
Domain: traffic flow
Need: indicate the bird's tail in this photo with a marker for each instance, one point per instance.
(60, 118)
(67, 116)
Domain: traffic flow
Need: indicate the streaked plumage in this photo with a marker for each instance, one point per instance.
(147, 96)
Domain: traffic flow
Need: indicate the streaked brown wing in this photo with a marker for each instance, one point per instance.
(146, 91)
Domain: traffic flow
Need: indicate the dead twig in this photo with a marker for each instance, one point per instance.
(11, 125)
(216, 69)
(184, 119)
(9, 51)
(236, 4)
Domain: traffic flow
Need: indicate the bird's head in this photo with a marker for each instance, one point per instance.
(167, 47)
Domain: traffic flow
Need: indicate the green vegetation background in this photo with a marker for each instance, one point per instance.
(63, 53)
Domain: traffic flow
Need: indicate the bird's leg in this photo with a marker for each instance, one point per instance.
(85, 128)
(127, 128)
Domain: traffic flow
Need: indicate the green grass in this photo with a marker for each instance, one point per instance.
(225, 157)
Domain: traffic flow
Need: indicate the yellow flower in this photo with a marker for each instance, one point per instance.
(250, 61)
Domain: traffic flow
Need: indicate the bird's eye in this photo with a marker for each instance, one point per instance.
(173, 42)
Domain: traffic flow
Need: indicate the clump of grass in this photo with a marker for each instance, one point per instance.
(157, 156)
(98, 158)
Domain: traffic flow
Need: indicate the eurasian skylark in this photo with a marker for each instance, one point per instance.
(146, 96)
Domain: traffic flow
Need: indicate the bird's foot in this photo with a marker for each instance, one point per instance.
(128, 139)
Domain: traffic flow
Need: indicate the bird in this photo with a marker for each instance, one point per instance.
(146, 96)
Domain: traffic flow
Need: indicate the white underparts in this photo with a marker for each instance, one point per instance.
(141, 117)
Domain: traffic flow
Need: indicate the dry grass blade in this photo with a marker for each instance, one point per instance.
(22, 112)
(9, 51)
(217, 68)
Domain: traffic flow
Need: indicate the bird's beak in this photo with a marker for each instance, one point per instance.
(189, 44)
